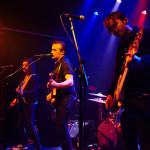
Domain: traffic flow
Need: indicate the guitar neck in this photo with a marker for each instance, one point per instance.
(123, 79)
(120, 84)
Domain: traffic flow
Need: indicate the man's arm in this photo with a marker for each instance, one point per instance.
(65, 84)
(142, 62)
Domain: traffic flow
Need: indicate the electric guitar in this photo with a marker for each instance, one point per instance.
(51, 96)
(118, 93)
(20, 98)
(21, 87)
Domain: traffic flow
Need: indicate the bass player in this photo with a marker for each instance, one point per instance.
(135, 120)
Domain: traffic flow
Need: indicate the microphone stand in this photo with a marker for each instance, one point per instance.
(83, 81)
(20, 68)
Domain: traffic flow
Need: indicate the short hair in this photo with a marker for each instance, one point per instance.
(114, 15)
(64, 47)
(32, 66)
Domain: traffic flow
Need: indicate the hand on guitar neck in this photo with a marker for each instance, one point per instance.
(51, 96)
(20, 92)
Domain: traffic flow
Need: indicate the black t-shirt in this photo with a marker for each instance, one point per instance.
(62, 68)
(138, 80)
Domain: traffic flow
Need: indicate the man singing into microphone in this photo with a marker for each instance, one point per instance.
(63, 81)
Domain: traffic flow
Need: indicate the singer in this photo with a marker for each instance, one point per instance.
(26, 100)
(63, 81)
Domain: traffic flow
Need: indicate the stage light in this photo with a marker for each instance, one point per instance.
(96, 13)
(144, 12)
(116, 6)
(118, 1)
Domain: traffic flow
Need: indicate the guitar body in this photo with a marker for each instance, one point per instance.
(51, 97)
(20, 99)
(118, 93)
(22, 86)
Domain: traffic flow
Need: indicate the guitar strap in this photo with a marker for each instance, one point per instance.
(58, 72)
(26, 81)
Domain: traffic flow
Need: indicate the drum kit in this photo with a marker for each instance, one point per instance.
(99, 99)
(107, 131)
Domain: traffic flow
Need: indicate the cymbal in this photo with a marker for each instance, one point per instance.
(99, 100)
(98, 94)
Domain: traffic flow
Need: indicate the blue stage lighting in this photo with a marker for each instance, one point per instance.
(96, 13)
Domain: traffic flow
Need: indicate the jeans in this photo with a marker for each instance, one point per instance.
(63, 110)
(26, 121)
(135, 123)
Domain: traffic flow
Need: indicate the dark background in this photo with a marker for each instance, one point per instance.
(28, 27)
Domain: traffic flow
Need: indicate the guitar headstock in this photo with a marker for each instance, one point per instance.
(139, 34)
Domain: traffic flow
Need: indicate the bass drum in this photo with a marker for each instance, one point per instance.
(109, 136)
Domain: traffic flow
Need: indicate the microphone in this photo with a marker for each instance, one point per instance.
(44, 55)
(7, 66)
(81, 17)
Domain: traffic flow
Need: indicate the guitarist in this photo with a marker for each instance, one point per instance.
(135, 120)
(63, 81)
(27, 96)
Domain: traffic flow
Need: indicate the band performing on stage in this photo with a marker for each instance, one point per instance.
(59, 101)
